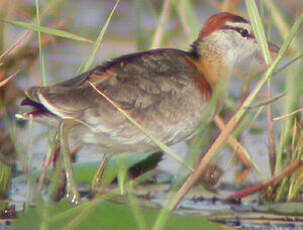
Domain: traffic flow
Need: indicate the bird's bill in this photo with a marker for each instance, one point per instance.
(273, 49)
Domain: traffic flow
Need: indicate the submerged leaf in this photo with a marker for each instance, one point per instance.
(104, 215)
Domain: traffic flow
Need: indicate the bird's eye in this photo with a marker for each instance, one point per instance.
(244, 33)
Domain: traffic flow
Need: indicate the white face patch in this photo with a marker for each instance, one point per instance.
(231, 43)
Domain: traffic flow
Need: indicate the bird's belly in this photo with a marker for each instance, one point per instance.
(170, 121)
(131, 140)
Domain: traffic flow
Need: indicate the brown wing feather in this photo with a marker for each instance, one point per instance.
(134, 82)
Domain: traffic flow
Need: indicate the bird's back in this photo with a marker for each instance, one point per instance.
(161, 89)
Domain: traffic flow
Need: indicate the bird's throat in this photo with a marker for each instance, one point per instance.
(215, 70)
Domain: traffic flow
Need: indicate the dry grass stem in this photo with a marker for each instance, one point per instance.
(288, 115)
(46, 163)
(271, 133)
(287, 172)
(6, 81)
(161, 25)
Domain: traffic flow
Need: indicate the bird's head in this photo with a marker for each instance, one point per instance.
(226, 36)
(224, 40)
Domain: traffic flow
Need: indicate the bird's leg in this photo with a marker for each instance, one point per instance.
(97, 180)
(71, 186)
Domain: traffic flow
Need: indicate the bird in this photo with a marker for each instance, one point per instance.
(167, 91)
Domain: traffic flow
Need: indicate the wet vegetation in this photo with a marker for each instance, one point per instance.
(243, 170)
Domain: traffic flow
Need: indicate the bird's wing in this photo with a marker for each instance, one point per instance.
(135, 82)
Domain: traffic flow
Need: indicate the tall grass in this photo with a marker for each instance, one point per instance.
(236, 118)
(98, 41)
(291, 134)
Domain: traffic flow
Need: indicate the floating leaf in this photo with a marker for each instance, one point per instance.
(103, 215)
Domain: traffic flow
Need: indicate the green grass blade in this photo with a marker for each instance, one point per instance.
(46, 30)
(187, 17)
(158, 34)
(258, 28)
(98, 42)
(41, 56)
(142, 38)
(29, 183)
(256, 22)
